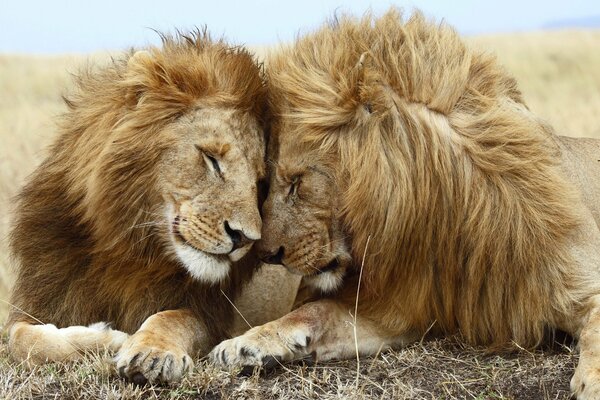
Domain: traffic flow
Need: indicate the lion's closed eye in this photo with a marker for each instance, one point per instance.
(293, 188)
(211, 160)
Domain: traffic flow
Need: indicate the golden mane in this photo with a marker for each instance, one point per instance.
(83, 234)
(444, 168)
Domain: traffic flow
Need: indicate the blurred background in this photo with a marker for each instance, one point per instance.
(66, 26)
(551, 47)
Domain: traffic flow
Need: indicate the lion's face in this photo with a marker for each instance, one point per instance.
(301, 227)
(208, 180)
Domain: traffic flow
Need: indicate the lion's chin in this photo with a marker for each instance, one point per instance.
(326, 282)
(205, 267)
(238, 254)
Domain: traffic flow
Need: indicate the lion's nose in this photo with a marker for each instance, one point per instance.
(237, 237)
(274, 258)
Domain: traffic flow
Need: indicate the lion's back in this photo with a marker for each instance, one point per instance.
(581, 164)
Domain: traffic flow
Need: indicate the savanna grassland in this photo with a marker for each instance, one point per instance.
(559, 74)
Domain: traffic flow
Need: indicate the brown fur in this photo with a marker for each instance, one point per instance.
(394, 141)
(85, 240)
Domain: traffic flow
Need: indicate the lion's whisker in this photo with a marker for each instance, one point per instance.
(149, 224)
(146, 237)
(152, 213)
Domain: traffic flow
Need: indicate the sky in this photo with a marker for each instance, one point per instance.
(63, 26)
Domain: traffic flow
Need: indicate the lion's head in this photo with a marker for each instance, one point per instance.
(208, 180)
(304, 231)
(185, 153)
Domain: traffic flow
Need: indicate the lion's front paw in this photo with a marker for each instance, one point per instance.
(262, 347)
(144, 358)
(585, 384)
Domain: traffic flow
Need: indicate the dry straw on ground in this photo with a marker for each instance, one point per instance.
(559, 73)
(437, 369)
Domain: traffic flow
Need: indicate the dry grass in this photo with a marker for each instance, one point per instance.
(31, 90)
(434, 370)
(559, 73)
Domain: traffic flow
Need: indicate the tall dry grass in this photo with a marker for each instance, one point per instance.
(559, 73)
(30, 90)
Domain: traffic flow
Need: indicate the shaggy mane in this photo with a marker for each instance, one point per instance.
(84, 238)
(444, 168)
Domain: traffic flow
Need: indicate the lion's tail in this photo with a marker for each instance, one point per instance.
(33, 344)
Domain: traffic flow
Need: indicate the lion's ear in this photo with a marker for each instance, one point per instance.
(139, 66)
(371, 89)
(362, 80)
(139, 60)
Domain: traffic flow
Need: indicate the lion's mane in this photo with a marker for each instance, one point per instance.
(445, 172)
(83, 239)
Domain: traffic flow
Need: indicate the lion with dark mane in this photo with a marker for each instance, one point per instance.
(407, 165)
(144, 213)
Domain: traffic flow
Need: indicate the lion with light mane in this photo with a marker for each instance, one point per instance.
(144, 213)
(408, 165)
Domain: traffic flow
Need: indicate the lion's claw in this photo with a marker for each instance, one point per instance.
(260, 347)
(141, 362)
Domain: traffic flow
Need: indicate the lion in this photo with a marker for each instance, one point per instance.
(416, 191)
(141, 220)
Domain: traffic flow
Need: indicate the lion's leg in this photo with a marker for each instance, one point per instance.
(160, 350)
(585, 384)
(256, 303)
(323, 329)
(34, 344)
